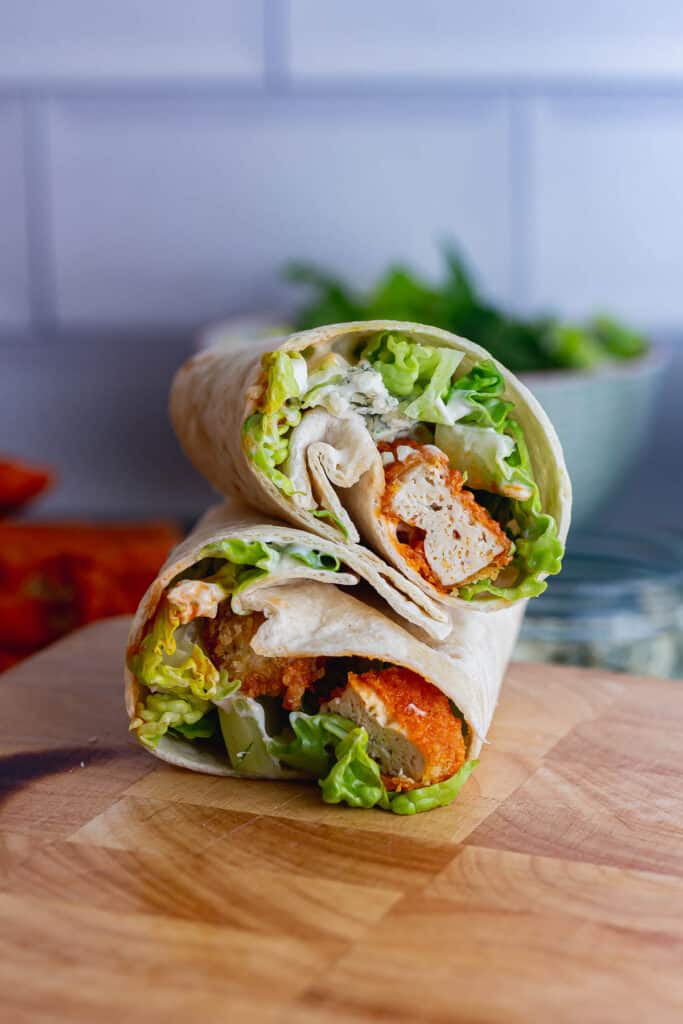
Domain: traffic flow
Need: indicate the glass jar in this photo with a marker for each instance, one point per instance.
(617, 604)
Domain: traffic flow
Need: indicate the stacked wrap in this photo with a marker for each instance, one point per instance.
(391, 675)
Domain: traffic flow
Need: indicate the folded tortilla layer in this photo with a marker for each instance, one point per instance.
(407, 492)
(286, 610)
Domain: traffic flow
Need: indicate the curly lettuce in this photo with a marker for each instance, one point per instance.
(427, 798)
(245, 562)
(248, 561)
(354, 778)
(482, 390)
(421, 374)
(160, 712)
(311, 745)
(537, 547)
(244, 727)
(265, 434)
(170, 660)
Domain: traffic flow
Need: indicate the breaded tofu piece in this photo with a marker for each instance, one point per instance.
(438, 526)
(413, 734)
(227, 639)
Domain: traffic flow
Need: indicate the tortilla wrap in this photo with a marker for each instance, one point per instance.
(311, 613)
(335, 460)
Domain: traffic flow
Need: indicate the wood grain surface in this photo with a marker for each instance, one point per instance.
(132, 891)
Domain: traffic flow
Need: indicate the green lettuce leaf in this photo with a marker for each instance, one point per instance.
(482, 388)
(430, 407)
(421, 373)
(489, 446)
(244, 728)
(169, 660)
(480, 452)
(314, 738)
(403, 364)
(324, 513)
(265, 433)
(246, 561)
(429, 797)
(204, 729)
(287, 376)
(354, 778)
(312, 558)
(160, 712)
(619, 341)
(538, 548)
(265, 440)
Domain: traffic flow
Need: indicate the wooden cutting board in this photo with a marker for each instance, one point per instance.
(132, 891)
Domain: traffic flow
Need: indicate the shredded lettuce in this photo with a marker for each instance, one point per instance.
(265, 434)
(324, 513)
(160, 712)
(538, 548)
(169, 660)
(483, 388)
(204, 729)
(244, 728)
(354, 778)
(246, 561)
(480, 452)
(266, 444)
(406, 366)
(430, 407)
(287, 377)
(313, 740)
(311, 558)
(415, 801)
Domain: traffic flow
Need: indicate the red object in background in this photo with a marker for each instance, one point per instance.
(56, 577)
(19, 484)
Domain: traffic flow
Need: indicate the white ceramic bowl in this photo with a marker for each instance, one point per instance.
(603, 418)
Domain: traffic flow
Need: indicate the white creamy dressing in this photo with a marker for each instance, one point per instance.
(341, 389)
(194, 599)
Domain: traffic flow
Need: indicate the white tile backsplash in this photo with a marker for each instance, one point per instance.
(169, 214)
(82, 39)
(14, 298)
(94, 408)
(175, 156)
(402, 39)
(607, 208)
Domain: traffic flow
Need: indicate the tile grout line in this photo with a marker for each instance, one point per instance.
(275, 38)
(39, 235)
(276, 46)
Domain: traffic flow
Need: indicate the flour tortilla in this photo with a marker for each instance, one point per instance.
(310, 613)
(216, 391)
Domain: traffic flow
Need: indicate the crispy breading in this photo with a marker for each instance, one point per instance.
(228, 642)
(413, 732)
(409, 538)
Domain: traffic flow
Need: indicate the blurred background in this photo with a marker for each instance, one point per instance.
(162, 163)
